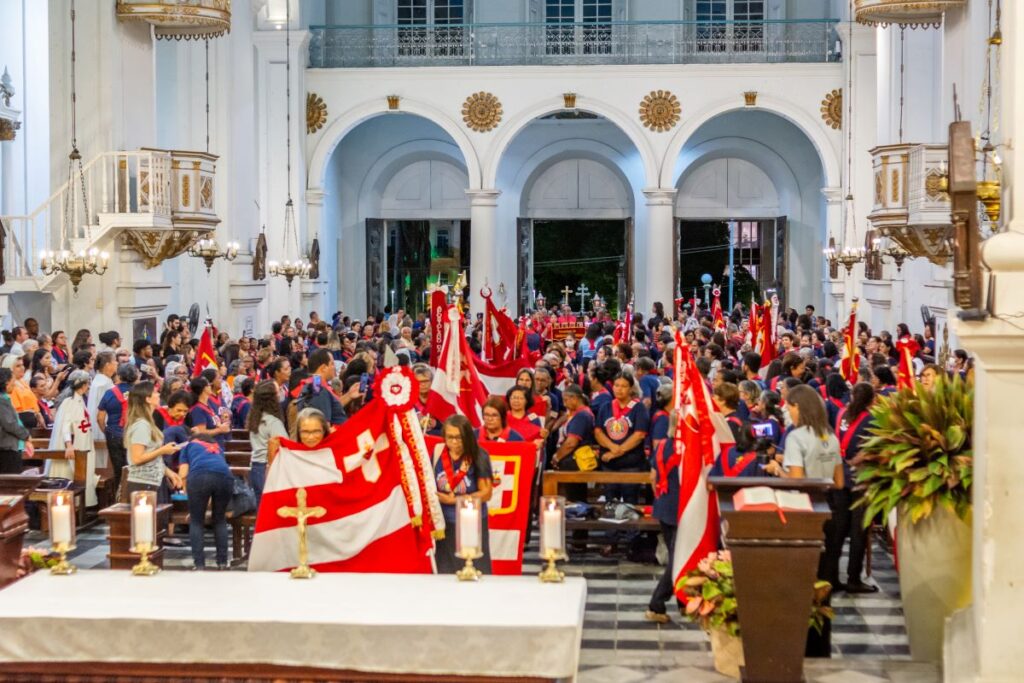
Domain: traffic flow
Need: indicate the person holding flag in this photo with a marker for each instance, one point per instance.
(461, 469)
(908, 348)
(850, 362)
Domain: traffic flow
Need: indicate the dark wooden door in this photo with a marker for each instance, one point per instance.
(376, 264)
(524, 264)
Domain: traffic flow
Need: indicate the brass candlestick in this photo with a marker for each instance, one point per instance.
(144, 567)
(63, 567)
(550, 573)
(469, 572)
(302, 513)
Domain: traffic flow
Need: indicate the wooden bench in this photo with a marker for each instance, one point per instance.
(118, 518)
(554, 483)
(77, 490)
(238, 446)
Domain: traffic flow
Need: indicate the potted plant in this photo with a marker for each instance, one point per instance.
(918, 462)
(710, 594)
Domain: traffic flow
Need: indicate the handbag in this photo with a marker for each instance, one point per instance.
(586, 458)
(243, 498)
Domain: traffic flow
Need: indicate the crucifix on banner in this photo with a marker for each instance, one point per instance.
(565, 295)
(582, 291)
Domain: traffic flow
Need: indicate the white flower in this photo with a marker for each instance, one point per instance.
(396, 388)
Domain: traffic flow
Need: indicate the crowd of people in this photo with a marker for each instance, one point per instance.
(602, 400)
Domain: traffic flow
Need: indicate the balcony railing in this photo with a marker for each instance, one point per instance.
(633, 42)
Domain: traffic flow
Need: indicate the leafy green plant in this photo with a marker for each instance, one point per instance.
(710, 593)
(919, 452)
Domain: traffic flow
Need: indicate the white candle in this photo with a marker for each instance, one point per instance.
(551, 529)
(469, 528)
(60, 522)
(142, 522)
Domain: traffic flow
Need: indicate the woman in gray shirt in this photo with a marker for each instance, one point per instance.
(144, 443)
(266, 429)
(812, 452)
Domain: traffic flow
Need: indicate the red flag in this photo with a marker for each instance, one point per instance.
(698, 442)
(500, 333)
(438, 309)
(908, 348)
(716, 310)
(508, 512)
(205, 355)
(755, 314)
(373, 480)
(850, 362)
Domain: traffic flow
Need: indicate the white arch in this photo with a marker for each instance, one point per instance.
(553, 105)
(340, 127)
(384, 168)
(810, 127)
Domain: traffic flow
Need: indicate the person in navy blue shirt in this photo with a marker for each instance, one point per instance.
(203, 417)
(621, 426)
(577, 431)
(884, 381)
(112, 412)
(241, 403)
(852, 429)
(837, 395)
(665, 465)
(740, 460)
(647, 376)
(598, 376)
(207, 477)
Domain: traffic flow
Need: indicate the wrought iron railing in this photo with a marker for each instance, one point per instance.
(632, 42)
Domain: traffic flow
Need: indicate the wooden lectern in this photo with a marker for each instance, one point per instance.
(13, 523)
(775, 566)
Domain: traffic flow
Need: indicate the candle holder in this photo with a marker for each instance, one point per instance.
(552, 537)
(61, 508)
(468, 536)
(144, 531)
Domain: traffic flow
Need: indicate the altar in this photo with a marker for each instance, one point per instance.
(104, 625)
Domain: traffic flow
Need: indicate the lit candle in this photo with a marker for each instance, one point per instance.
(551, 528)
(142, 522)
(60, 521)
(469, 528)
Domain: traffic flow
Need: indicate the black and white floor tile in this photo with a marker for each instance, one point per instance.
(869, 641)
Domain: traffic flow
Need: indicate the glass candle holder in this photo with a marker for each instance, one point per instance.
(552, 537)
(143, 525)
(468, 535)
(61, 513)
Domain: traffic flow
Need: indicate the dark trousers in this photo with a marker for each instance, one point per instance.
(258, 479)
(836, 530)
(201, 487)
(859, 539)
(118, 456)
(10, 462)
(664, 591)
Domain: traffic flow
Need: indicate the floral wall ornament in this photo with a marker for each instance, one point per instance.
(832, 109)
(482, 111)
(316, 113)
(660, 111)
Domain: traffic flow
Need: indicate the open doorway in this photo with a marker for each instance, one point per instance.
(570, 253)
(749, 252)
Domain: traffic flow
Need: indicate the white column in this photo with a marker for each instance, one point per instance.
(483, 256)
(835, 291)
(979, 639)
(315, 296)
(653, 245)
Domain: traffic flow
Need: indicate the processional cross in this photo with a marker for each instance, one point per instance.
(582, 291)
(565, 295)
(302, 513)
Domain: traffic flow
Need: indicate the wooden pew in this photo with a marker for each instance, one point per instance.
(38, 459)
(238, 446)
(555, 481)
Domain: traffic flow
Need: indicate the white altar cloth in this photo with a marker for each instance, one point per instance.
(380, 623)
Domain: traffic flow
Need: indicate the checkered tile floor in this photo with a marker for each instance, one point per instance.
(869, 642)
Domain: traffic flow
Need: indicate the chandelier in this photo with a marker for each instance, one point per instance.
(208, 250)
(76, 265)
(896, 253)
(300, 267)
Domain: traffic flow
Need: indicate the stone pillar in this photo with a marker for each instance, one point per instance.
(653, 278)
(483, 257)
(314, 292)
(835, 291)
(981, 639)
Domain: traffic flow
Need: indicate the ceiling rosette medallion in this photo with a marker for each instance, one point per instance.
(316, 113)
(660, 111)
(904, 13)
(482, 111)
(832, 109)
(177, 19)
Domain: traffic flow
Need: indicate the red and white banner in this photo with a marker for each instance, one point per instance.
(508, 511)
(500, 332)
(438, 310)
(374, 482)
(908, 349)
(849, 363)
(699, 439)
(205, 354)
(716, 310)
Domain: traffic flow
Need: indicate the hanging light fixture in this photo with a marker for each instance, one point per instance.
(75, 264)
(848, 256)
(207, 247)
(301, 266)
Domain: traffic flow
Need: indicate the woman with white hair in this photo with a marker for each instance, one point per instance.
(72, 431)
